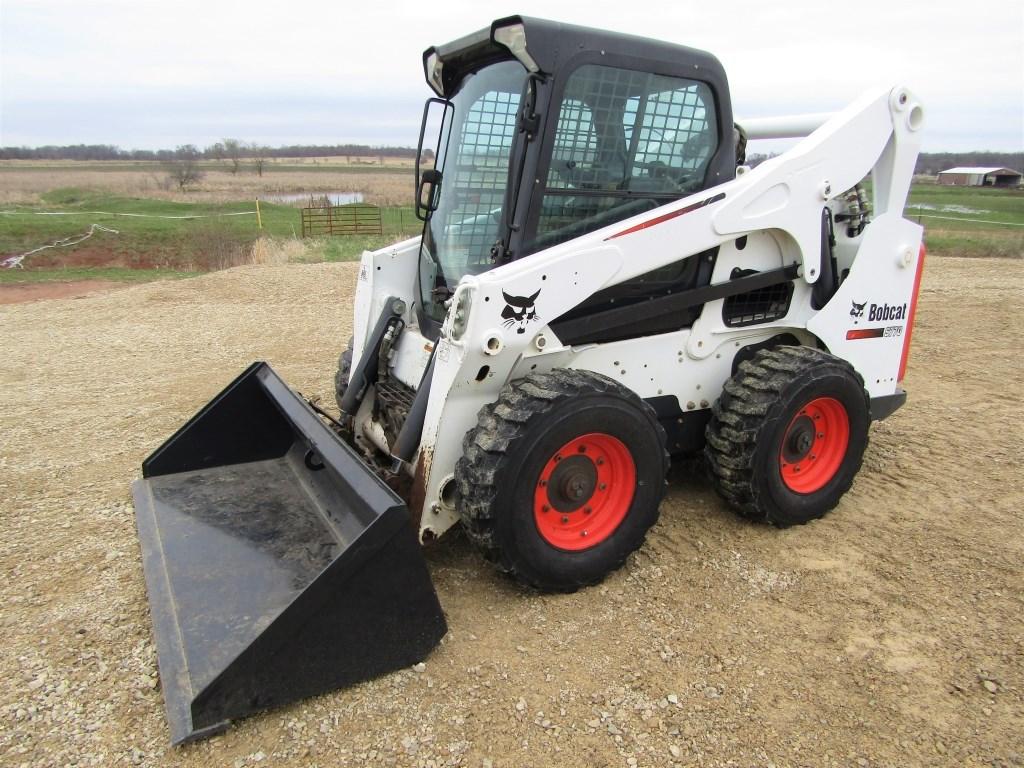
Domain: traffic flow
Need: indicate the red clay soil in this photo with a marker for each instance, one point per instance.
(20, 292)
(98, 256)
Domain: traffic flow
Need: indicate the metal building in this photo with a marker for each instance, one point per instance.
(980, 177)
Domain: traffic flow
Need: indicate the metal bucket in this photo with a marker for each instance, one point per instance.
(278, 565)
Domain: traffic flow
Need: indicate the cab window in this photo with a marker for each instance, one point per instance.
(625, 142)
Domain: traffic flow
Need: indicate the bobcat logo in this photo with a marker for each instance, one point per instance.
(858, 309)
(518, 311)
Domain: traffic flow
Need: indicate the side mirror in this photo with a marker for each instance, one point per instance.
(427, 194)
(438, 113)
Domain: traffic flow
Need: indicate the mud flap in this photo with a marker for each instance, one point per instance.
(278, 565)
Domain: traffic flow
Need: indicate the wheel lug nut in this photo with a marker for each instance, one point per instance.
(583, 533)
(543, 483)
(565, 519)
(586, 510)
(583, 449)
(599, 462)
(558, 457)
(603, 486)
(821, 435)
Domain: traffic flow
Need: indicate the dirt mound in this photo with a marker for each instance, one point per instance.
(889, 633)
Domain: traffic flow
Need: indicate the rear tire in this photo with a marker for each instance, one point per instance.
(561, 478)
(344, 371)
(788, 435)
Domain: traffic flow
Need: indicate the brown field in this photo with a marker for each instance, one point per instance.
(26, 181)
(891, 633)
(341, 160)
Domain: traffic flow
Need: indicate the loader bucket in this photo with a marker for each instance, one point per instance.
(278, 565)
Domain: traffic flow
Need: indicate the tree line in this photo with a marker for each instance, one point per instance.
(225, 149)
(930, 163)
(234, 151)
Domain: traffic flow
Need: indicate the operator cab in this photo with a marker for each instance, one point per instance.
(548, 131)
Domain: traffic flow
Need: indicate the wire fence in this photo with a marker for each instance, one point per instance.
(133, 215)
(920, 216)
(12, 262)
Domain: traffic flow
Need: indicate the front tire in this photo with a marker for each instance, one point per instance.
(561, 478)
(788, 434)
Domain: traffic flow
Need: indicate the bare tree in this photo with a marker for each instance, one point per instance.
(233, 150)
(260, 153)
(216, 151)
(183, 169)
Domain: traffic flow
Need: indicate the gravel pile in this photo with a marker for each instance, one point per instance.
(889, 633)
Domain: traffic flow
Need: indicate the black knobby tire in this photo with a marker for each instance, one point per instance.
(519, 438)
(343, 372)
(764, 429)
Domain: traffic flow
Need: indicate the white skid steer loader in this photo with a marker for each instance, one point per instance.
(601, 283)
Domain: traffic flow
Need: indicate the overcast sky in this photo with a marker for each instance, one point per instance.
(150, 74)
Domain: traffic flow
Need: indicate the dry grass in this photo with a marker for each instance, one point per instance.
(277, 251)
(22, 184)
(388, 162)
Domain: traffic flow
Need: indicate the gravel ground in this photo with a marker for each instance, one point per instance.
(16, 293)
(889, 633)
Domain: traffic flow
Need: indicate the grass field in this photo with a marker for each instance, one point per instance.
(969, 221)
(162, 231)
(157, 234)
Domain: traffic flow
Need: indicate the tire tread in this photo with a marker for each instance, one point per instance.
(341, 376)
(521, 406)
(740, 416)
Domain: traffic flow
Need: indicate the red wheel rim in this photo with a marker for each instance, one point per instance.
(584, 492)
(814, 445)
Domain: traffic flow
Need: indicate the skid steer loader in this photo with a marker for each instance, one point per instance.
(601, 282)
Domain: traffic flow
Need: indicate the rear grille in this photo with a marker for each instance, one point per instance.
(763, 305)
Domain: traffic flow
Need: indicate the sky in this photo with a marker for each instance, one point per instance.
(149, 74)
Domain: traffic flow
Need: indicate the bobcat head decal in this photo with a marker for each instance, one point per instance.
(519, 311)
(858, 309)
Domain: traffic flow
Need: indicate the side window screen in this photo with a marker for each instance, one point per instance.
(672, 132)
(625, 142)
(575, 141)
(489, 128)
(477, 174)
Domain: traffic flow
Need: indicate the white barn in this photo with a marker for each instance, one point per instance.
(980, 177)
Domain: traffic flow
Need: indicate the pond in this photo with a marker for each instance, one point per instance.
(946, 208)
(315, 198)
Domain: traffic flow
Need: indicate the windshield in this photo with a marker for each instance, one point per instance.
(474, 161)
